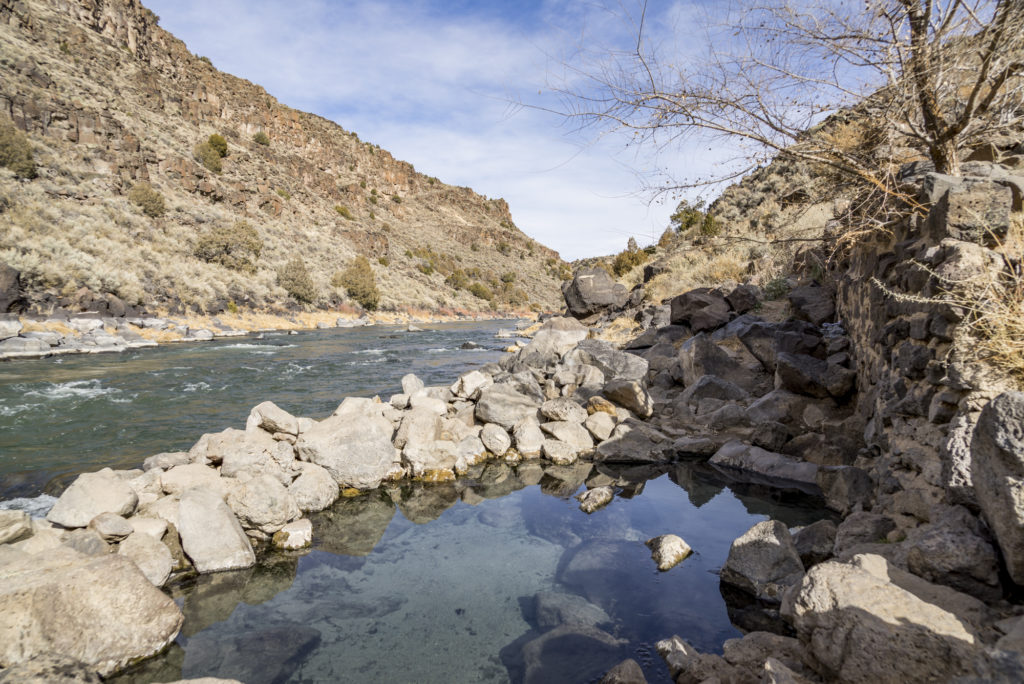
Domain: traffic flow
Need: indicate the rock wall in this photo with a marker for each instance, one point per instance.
(900, 298)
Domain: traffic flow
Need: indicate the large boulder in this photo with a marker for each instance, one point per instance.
(556, 337)
(615, 364)
(10, 326)
(314, 489)
(633, 441)
(763, 561)
(210, 533)
(813, 303)
(592, 291)
(99, 610)
(997, 470)
(699, 356)
(860, 627)
(262, 503)
(91, 494)
(752, 459)
(273, 419)
(971, 210)
(356, 452)
(807, 375)
(701, 309)
(504, 405)
(150, 555)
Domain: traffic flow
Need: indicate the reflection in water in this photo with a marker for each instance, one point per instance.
(487, 579)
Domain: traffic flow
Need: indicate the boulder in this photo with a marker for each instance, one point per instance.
(630, 395)
(10, 326)
(101, 610)
(687, 664)
(262, 503)
(592, 291)
(179, 478)
(357, 453)
(88, 542)
(751, 653)
(10, 292)
(699, 356)
(633, 441)
(742, 456)
(952, 549)
(559, 452)
(764, 561)
(496, 439)
(505, 406)
(165, 461)
(626, 672)
(744, 298)
(14, 525)
(596, 404)
(153, 527)
(528, 438)
(573, 434)
(807, 375)
(595, 498)
(815, 542)
(272, 419)
(570, 653)
(314, 489)
(556, 337)
(860, 627)
(470, 383)
(435, 461)
(210, 533)
(615, 364)
(91, 494)
(711, 387)
(419, 429)
(113, 528)
(600, 425)
(150, 555)
(411, 384)
(563, 409)
(845, 488)
(668, 550)
(813, 303)
(861, 528)
(701, 309)
(997, 470)
(972, 210)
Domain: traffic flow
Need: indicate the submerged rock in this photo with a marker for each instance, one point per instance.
(668, 550)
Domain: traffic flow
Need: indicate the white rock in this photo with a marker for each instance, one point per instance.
(411, 384)
(153, 527)
(600, 425)
(14, 525)
(573, 434)
(90, 495)
(357, 453)
(295, 535)
(668, 550)
(469, 384)
(314, 489)
(559, 452)
(151, 556)
(426, 402)
(263, 504)
(528, 438)
(595, 498)
(180, 478)
(495, 439)
(113, 528)
(271, 418)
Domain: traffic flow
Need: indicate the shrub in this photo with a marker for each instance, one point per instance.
(362, 184)
(296, 281)
(504, 248)
(482, 291)
(373, 199)
(147, 198)
(458, 280)
(343, 211)
(508, 277)
(261, 138)
(218, 143)
(284, 193)
(627, 260)
(202, 58)
(710, 227)
(666, 239)
(687, 215)
(384, 261)
(16, 151)
(425, 267)
(776, 288)
(396, 199)
(359, 282)
(206, 155)
(236, 247)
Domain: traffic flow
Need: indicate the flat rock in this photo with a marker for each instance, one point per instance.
(180, 478)
(101, 611)
(742, 456)
(563, 409)
(505, 406)
(210, 533)
(600, 425)
(91, 494)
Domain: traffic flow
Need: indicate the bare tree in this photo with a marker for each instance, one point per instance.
(930, 75)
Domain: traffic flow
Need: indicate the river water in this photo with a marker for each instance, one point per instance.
(458, 582)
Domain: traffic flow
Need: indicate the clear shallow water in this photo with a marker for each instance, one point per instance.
(69, 414)
(408, 584)
(442, 586)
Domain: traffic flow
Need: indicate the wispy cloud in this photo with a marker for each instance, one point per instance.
(434, 83)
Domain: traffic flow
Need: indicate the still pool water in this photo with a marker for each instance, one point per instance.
(498, 577)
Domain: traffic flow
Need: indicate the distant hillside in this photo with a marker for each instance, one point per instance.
(111, 102)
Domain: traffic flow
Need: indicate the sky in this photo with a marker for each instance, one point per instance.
(459, 89)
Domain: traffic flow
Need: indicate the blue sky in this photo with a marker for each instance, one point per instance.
(434, 83)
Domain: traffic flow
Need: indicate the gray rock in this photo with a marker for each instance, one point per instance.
(271, 418)
(113, 528)
(357, 453)
(592, 291)
(262, 503)
(411, 384)
(699, 356)
(23, 346)
(87, 542)
(528, 438)
(210, 533)
(736, 454)
(626, 672)
(750, 653)
(687, 664)
(952, 550)
(744, 298)
(845, 488)
(314, 489)
(151, 556)
(763, 561)
(180, 478)
(91, 494)
(997, 469)
(572, 434)
(505, 406)
(554, 339)
(10, 327)
(593, 499)
(600, 425)
(815, 542)
(470, 383)
(973, 211)
(860, 627)
(711, 387)
(630, 395)
(615, 364)
(50, 668)
(164, 461)
(633, 441)
(496, 439)
(570, 653)
(701, 309)
(805, 374)
(862, 528)
(813, 303)
(559, 452)
(563, 409)
(99, 610)
(14, 525)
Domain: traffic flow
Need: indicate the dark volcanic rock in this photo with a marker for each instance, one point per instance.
(592, 291)
(701, 309)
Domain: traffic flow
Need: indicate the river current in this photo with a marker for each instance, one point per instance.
(495, 578)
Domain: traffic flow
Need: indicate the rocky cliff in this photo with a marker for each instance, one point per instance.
(112, 103)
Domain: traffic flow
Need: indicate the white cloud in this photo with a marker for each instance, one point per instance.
(434, 90)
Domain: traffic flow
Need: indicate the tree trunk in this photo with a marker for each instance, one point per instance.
(945, 157)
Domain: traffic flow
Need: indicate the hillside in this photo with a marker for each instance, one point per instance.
(110, 102)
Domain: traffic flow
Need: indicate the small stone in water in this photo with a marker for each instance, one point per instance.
(596, 498)
(668, 550)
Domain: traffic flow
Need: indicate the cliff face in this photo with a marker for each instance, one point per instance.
(110, 100)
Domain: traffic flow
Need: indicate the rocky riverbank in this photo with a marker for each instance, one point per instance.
(861, 395)
(90, 333)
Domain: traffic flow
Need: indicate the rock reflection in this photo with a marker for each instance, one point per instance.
(422, 503)
(353, 527)
(563, 481)
(257, 656)
(700, 488)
